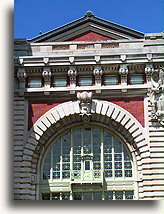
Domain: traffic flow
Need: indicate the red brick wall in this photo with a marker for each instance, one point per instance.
(37, 109)
(135, 106)
(90, 36)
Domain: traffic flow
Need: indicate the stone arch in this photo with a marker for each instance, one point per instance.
(69, 112)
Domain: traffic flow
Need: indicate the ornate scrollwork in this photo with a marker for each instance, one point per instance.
(85, 101)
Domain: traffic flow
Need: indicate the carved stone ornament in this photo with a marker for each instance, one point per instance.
(45, 60)
(47, 76)
(148, 71)
(123, 71)
(72, 73)
(21, 74)
(156, 96)
(85, 101)
(97, 73)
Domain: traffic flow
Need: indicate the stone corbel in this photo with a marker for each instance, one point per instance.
(148, 71)
(47, 77)
(123, 71)
(98, 74)
(72, 73)
(85, 102)
(21, 75)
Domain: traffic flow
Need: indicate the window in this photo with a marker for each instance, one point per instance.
(35, 82)
(89, 155)
(85, 81)
(136, 79)
(110, 80)
(60, 82)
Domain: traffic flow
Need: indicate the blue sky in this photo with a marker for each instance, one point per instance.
(33, 16)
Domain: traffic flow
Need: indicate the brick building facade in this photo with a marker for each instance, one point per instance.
(88, 113)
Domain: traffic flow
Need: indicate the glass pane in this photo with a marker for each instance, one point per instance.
(97, 196)
(45, 196)
(108, 195)
(35, 82)
(56, 167)
(108, 173)
(108, 165)
(108, 157)
(77, 158)
(119, 195)
(66, 166)
(107, 138)
(66, 175)
(96, 157)
(118, 165)
(126, 155)
(77, 166)
(66, 139)
(77, 196)
(60, 82)
(110, 80)
(47, 166)
(97, 165)
(118, 157)
(87, 196)
(118, 173)
(117, 146)
(96, 149)
(128, 173)
(136, 79)
(56, 175)
(85, 81)
(65, 196)
(55, 196)
(77, 137)
(127, 165)
(129, 195)
(87, 165)
(96, 137)
(66, 158)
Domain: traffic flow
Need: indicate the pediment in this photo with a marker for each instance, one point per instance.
(88, 28)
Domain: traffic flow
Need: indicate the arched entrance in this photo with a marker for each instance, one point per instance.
(68, 116)
(87, 163)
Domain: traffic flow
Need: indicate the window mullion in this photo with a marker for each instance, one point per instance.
(102, 151)
(113, 168)
(123, 167)
(61, 159)
(51, 171)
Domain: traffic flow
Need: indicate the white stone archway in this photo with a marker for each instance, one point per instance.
(70, 112)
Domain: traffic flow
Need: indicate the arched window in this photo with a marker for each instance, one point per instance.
(87, 164)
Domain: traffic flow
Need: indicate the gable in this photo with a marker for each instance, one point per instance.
(90, 36)
(88, 28)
